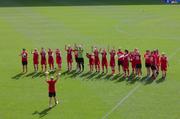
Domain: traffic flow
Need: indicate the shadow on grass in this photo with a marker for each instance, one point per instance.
(30, 74)
(92, 75)
(42, 113)
(160, 80)
(85, 74)
(37, 74)
(148, 81)
(18, 76)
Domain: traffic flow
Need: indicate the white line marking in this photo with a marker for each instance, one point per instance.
(121, 101)
(132, 91)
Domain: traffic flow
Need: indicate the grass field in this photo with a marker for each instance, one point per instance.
(88, 96)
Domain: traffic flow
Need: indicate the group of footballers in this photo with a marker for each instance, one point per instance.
(153, 60)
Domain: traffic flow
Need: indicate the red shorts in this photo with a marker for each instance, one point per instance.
(104, 62)
(163, 68)
(133, 65)
(35, 62)
(69, 59)
(126, 66)
(112, 63)
(50, 60)
(97, 62)
(43, 62)
(58, 61)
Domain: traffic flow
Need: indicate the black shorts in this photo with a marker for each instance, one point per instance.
(24, 63)
(148, 65)
(52, 94)
(138, 66)
(120, 63)
(81, 60)
(76, 60)
(153, 67)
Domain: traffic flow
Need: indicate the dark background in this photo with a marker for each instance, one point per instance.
(21, 3)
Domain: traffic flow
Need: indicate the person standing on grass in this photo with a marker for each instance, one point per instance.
(147, 57)
(51, 88)
(96, 56)
(112, 63)
(138, 63)
(43, 59)
(126, 63)
(104, 62)
(50, 59)
(80, 58)
(35, 59)
(164, 64)
(69, 51)
(24, 56)
(120, 55)
(58, 59)
(75, 50)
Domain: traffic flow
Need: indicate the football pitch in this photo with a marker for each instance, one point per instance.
(88, 95)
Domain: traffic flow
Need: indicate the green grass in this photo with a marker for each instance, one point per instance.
(86, 96)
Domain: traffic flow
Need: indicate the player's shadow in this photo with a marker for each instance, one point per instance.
(133, 80)
(18, 76)
(160, 80)
(64, 73)
(100, 76)
(148, 81)
(37, 74)
(92, 75)
(74, 73)
(120, 79)
(85, 74)
(30, 74)
(43, 113)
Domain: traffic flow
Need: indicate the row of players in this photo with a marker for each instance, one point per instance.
(153, 60)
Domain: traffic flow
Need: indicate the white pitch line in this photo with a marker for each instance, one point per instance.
(121, 101)
(132, 91)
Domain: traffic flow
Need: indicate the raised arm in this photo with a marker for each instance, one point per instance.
(46, 74)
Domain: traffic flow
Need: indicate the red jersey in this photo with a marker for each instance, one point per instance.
(96, 53)
(137, 58)
(58, 57)
(157, 58)
(51, 86)
(91, 59)
(147, 58)
(132, 59)
(112, 58)
(154, 60)
(35, 57)
(24, 56)
(164, 61)
(120, 55)
(43, 55)
(104, 54)
(126, 61)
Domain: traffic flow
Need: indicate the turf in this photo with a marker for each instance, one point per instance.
(85, 95)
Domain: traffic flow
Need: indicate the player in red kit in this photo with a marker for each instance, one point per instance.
(126, 63)
(164, 64)
(24, 60)
(120, 55)
(133, 62)
(43, 59)
(138, 63)
(112, 60)
(50, 59)
(91, 58)
(58, 59)
(153, 65)
(69, 57)
(157, 59)
(52, 88)
(96, 56)
(75, 50)
(147, 57)
(35, 59)
(104, 61)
